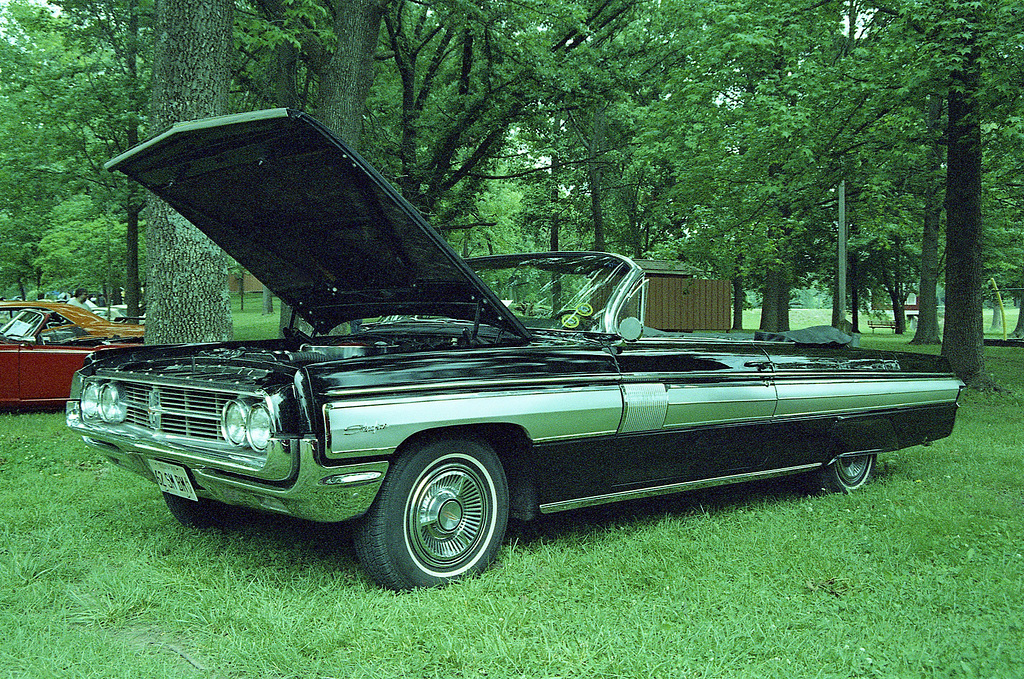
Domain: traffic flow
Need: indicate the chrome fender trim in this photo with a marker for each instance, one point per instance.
(362, 427)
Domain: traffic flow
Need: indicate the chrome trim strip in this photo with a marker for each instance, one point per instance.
(654, 491)
(719, 404)
(646, 405)
(378, 426)
(505, 383)
(805, 398)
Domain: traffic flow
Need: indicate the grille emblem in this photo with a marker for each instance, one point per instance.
(154, 409)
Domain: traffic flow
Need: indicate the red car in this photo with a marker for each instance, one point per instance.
(70, 317)
(40, 350)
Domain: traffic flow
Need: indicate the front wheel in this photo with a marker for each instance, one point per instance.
(845, 474)
(202, 514)
(440, 515)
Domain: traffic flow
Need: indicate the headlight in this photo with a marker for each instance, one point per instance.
(232, 422)
(259, 428)
(113, 408)
(91, 401)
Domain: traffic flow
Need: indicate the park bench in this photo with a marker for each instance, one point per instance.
(875, 324)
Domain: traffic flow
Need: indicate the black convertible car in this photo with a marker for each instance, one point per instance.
(427, 398)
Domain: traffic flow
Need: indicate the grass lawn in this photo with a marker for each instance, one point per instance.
(918, 575)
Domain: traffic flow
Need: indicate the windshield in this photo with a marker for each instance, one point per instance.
(566, 291)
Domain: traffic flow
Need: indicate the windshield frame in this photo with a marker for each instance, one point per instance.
(34, 324)
(603, 289)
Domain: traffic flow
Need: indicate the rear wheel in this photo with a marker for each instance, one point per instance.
(440, 515)
(845, 474)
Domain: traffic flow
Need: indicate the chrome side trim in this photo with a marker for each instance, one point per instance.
(666, 489)
(378, 426)
(805, 398)
(481, 384)
(712, 404)
(645, 406)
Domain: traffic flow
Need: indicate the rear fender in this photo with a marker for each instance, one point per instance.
(854, 436)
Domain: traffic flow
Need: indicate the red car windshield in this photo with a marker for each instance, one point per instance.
(24, 326)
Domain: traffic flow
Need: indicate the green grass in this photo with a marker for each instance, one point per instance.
(917, 575)
(251, 323)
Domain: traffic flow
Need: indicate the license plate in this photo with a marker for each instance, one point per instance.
(173, 479)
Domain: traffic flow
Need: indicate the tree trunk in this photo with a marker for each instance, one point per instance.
(927, 300)
(894, 286)
(1018, 332)
(997, 320)
(963, 336)
(268, 301)
(738, 297)
(347, 78)
(187, 295)
(555, 196)
(854, 295)
(349, 74)
(595, 177)
(898, 313)
(775, 305)
(132, 285)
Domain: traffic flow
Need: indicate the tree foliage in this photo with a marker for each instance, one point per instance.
(715, 132)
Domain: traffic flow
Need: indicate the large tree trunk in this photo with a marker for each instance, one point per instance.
(775, 305)
(963, 337)
(186, 291)
(349, 74)
(927, 300)
(347, 78)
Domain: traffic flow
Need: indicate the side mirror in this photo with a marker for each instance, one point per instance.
(631, 329)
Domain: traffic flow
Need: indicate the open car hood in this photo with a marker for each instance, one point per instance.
(311, 219)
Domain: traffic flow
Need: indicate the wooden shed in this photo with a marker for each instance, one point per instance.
(677, 300)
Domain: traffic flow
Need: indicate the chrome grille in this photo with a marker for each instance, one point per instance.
(179, 411)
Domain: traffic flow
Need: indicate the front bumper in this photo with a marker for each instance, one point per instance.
(312, 491)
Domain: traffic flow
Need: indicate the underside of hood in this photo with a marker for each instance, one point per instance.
(309, 218)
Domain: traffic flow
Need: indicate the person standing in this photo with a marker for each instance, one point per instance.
(81, 300)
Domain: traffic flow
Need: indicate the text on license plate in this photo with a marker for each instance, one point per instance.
(172, 479)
